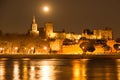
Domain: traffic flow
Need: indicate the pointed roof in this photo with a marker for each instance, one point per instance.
(33, 21)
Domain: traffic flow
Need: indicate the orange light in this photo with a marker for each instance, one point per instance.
(1, 48)
(16, 48)
(45, 48)
(32, 48)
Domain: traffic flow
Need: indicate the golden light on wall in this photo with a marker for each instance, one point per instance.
(1, 48)
(16, 48)
(32, 48)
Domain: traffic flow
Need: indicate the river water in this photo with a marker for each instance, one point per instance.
(60, 69)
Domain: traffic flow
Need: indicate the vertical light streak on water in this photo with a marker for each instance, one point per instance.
(46, 71)
(2, 70)
(79, 70)
(32, 72)
(16, 75)
(107, 73)
(110, 71)
(118, 68)
(25, 71)
(41, 70)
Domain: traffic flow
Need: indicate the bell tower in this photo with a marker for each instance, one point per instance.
(34, 31)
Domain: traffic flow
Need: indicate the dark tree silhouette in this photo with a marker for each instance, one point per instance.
(91, 48)
(68, 42)
(87, 46)
(84, 46)
(106, 47)
(117, 47)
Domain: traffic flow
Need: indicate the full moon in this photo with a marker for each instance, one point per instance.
(46, 9)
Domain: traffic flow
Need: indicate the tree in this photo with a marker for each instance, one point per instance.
(87, 46)
(106, 47)
(91, 48)
(67, 42)
(118, 40)
(84, 46)
(117, 47)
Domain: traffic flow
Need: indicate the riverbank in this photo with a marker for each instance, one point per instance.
(60, 56)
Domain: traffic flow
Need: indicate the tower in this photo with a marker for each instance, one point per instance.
(49, 29)
(34, 31)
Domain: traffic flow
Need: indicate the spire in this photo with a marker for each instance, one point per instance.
(34, 19)
(34, 31)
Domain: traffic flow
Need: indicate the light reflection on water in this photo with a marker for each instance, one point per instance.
(60, 69)
(79, 69)
(2, 70)
(16, 75)
(118, 68)
(42, 70)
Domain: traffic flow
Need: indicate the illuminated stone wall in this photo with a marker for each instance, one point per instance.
(34, 31)
(72, 49)
(49, 30)
(99, 34)
(103, 34)
(111, 44)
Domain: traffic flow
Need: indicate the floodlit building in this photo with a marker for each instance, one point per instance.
(97, 34)
(103, 33)
(49, 30)
(34, 31)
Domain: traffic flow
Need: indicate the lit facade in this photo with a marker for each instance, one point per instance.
(103, 34)
(50, 33)
(98, 34)
(34, 31)
(49, 30)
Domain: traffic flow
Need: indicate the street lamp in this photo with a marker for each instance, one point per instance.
(16, 49)
(45, 48)
(1, 50)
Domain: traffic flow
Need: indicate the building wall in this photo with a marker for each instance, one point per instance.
(111, 44)
(72, 49)
(56, 45)
(103, 34)
(49, 29)
(34, 31)
(99, 34)
(42, 32)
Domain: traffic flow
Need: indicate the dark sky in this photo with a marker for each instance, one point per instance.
(71, 15)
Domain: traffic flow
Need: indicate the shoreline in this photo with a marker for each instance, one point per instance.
(61, 56)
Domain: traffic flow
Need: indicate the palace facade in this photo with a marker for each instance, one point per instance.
(48, 32)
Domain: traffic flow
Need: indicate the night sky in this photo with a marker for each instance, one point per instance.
(71, 15)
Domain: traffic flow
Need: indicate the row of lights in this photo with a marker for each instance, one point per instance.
(32, 48)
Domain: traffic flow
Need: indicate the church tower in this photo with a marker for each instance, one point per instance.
(34, 31)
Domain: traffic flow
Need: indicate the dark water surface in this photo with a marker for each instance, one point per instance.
(60, 69)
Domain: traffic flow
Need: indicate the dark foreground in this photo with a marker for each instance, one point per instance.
(60, 56)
